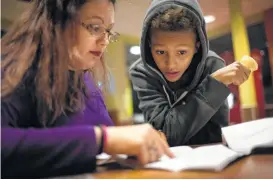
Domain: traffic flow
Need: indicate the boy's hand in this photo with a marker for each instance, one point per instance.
(235, 73)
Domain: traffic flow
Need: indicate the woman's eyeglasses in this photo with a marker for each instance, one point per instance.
(98, 30)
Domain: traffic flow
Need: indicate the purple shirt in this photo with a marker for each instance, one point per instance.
(68, 146)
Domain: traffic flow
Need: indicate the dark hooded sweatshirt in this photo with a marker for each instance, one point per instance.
(192, 110)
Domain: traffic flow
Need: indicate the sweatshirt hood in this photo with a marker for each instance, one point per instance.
(198, 62)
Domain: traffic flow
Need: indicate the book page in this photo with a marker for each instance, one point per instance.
(103, 156)
(178, 151)
(215, 157)
(260, 139)
(166, 163)
(245, 136)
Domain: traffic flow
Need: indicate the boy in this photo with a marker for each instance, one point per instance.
(181, 85)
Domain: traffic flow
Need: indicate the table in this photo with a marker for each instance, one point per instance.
(253, 166)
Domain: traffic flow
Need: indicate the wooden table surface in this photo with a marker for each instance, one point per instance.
(253, 166)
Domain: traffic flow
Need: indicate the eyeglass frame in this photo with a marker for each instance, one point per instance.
(100, 34)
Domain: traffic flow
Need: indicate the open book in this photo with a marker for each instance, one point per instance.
(214, 157)
(241, 139)
(248, 136)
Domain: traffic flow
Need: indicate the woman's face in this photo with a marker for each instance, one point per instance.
(96, 20)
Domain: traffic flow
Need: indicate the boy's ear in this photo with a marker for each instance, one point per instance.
(197, 46)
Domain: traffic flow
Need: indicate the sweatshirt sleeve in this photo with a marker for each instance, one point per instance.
(35, 152)
(185, 119)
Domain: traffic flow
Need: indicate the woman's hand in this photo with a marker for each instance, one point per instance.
(162, 135)
(139, 140)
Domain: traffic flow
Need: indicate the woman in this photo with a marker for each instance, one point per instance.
(53, 116)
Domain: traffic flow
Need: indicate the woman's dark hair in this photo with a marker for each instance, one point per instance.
(38, 42)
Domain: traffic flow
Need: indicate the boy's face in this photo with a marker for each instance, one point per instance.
(173, 51)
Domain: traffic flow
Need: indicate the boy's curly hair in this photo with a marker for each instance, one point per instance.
(174, 19)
